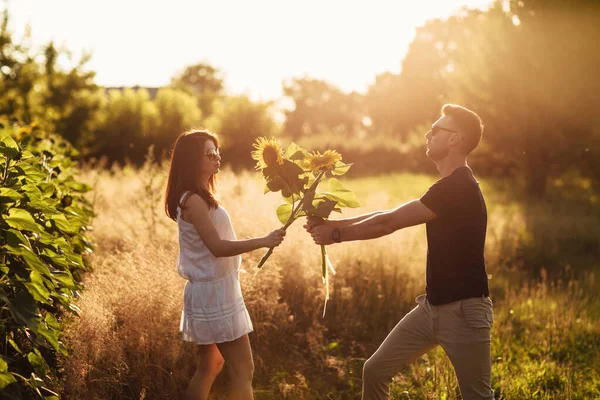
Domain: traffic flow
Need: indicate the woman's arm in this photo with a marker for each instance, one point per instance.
(197, 211)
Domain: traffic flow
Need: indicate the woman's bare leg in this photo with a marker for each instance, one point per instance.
(210, 364)
(238, 357)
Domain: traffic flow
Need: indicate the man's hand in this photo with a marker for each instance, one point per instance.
(311, 222)
(321, 234)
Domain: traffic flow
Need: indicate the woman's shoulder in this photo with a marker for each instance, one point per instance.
(194, 201)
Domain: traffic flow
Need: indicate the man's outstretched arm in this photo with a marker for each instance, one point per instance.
(409, 214)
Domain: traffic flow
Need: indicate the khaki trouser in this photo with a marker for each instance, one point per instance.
(462, 328)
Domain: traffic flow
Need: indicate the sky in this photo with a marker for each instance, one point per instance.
(256, 44)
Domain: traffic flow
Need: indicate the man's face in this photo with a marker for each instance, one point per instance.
(438, 138)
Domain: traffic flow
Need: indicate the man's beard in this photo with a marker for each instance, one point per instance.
(438, 155)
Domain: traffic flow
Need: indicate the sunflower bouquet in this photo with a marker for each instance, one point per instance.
(297, 173)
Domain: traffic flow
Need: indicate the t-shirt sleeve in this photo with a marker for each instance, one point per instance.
(441, 197)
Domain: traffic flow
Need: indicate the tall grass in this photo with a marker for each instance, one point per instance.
(126, 344)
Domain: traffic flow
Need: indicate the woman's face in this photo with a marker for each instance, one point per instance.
(211, 159)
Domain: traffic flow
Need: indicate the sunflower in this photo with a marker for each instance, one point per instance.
(268, 153)
(318, 162)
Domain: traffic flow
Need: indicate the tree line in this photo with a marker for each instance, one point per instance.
(528, 68)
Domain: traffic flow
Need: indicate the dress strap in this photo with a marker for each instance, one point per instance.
(184, 196)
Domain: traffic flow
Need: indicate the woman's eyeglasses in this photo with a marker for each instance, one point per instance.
(213, 154)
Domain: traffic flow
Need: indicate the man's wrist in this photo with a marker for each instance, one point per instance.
(336, 235)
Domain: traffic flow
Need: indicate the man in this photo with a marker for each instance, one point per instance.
(456, 312)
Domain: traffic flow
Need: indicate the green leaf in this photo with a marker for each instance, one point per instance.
(26, 155)
(74, 259)
(31, 259)
(38, 363)
(297, 156)
(10, 194)
(47, 189)
(50, 336)
(33, 174)
(323, 208)
(307, 204)
(52, 322)
(22, 220)
(6, 378)
(15, 346)
(32, 191)
(343, 196)
(3, 365)
(65, 279)
(16, 238)
(77, 223)
(77, 186)
(290, 199)
(9, 148)
(295, 152)
(340, 168)
(55, 258)
(43, 206)
(284, 212)
(285, 177)
(22, 308)
(37, 289)
(9, 142)
(54, 241)
(61, 223)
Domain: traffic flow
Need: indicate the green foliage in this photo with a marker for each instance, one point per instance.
(204, 82)
(177, 111)
(129, 118)
(321, 107)
(35, 89)
(526, 71)
(43, 224)
(239, 121)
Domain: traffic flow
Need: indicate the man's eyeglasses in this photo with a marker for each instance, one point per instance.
(436, 129)
(213, 154)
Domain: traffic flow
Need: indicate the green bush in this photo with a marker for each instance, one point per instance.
(43, 223)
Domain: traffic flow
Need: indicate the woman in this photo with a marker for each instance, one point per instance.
(214, 315)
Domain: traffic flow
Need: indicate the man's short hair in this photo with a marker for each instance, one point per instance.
(467, 123)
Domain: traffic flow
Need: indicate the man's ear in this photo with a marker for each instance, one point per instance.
(455, 138)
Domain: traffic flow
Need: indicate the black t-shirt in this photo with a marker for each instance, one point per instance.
(455, 240)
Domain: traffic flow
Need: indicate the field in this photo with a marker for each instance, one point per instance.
(542, 260)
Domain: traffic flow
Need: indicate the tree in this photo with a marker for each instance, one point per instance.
(398, 103)
(527, 73)
(177, 111)
(203, 81)
(34, 89)
(129, 120)
(239, 121)
(320, 107)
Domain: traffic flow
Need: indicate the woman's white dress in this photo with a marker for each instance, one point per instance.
(213, 306)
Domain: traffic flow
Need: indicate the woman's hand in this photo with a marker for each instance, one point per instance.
(274, 238)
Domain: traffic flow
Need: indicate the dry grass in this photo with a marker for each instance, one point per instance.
(126, 344)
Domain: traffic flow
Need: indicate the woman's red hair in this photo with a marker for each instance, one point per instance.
(185, 168)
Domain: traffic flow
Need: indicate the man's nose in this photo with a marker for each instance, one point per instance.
(428, 135)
